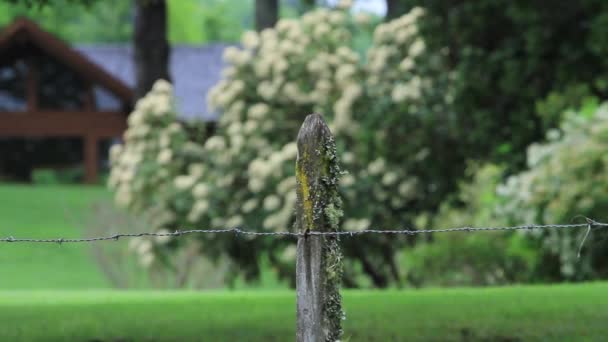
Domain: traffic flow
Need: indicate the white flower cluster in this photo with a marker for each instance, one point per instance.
(260, 169)
(295, 62)
(147, 141)
(271, 83)
(280, 75)
(397, 46)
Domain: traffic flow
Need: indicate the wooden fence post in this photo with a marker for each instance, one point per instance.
(318, 261)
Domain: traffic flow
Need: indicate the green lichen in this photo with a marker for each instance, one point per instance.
(333, 213)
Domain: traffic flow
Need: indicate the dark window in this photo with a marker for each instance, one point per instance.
(12, 87)
(59, 87)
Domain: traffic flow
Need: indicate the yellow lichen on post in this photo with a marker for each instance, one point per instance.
(302, 183)
(319, 261)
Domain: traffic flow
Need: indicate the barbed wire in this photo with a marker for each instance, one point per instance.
(240, 232)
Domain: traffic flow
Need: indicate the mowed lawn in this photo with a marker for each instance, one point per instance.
(530, 313)
(44, 212)
(45, 296)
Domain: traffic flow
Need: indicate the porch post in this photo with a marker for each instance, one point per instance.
(90, 158)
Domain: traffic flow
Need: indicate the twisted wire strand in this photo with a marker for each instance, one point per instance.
(240, 232)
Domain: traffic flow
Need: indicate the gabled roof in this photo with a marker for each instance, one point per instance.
(24, 30)
(194, 71)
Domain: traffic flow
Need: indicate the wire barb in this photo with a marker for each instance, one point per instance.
(590, 223)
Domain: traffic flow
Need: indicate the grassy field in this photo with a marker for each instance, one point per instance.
(543, 313)
(47, 211)
(44, 296)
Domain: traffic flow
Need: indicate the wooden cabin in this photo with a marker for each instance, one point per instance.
(73, 100)
(50, 90)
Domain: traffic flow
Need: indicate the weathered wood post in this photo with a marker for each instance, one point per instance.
(318, 209)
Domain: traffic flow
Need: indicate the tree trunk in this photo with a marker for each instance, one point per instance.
(151, 47)
(379, 279)
(266, 13)
(395, 9)
(390, 260)
(306, 5)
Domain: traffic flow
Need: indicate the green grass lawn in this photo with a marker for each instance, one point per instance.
(530, 313)
(47, 211)
(43, 296)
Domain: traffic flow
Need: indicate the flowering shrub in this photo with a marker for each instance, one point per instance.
(566, 178)
(148, 169)
(244, 175)
(151, 153)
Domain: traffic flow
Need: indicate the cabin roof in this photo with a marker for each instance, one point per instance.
(194, 71)
(23, 31)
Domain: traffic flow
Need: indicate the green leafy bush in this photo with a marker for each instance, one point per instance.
(44, 176)
(463, 259)
(566, 178)
(551, 109)
(506, 55)
(72, 175)
(563, 183)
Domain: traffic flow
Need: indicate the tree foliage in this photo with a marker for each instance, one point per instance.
(506, 55)
(76, 20)
(196, 22)
(111, 21)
